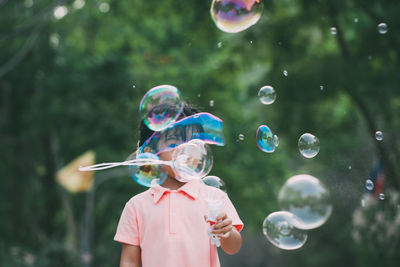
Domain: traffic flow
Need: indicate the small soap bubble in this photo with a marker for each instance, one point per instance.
(350, 167)
(285, 72)
(308, 199)
(235, 15)
(251, 42)
(382, 28)
(379, 135)
(104, 7)
(211, 103)
(219, 45)
(161, 106)
(279, 229)
(369, 185)
(241, 137)
(355, 20)
(133, 86)
(267, 141)
(214, 181)
(333, 30)
(321, 87)
(267, 95)
(308, 145)
(362, 203)
(382, 196)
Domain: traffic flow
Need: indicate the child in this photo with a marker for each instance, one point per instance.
(166, 226)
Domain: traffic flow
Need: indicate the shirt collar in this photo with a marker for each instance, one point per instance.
(191, 189)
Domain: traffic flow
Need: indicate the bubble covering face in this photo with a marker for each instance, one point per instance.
(236, 15)
(308, 145)
(266, 140)
(308, 199)
(279, 229)
(214, 181)
(192, 160)
(161, 106)
(145, 174)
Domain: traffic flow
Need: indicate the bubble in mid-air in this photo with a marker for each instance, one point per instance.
(279, 229)
(267, 95)
(333, 30)
(382, 196)
(382, 28)
(236, 15)
(241, 137)
(308, 199)
(321, 87)
(192, 160)
(379, 135)
(214, 181)
(308, 145)
(267, 141)
(145, 174)
(285, 72)
(161, 106)
(369, 185)
(211, 103)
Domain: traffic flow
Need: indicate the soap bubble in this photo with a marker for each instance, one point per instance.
(379, 135)
(333, 30)
(382, 196)
(369, 185)
(308, 199)
(241, 137)
(211, 103)
(382, 28)
(308, 145)
(279, 229)
(214, 181)
(285, 72)
(267, 141)
(192, 160)
(235, 15)
(144, 174)
(267, 95)
(161, 106)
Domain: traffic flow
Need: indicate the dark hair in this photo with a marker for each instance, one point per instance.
(145, 132)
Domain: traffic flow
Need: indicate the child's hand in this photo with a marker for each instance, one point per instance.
(223, 226)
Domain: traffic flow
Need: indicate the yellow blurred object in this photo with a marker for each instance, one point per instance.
(74, 180)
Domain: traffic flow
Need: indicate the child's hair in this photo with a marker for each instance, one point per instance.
(145, 132)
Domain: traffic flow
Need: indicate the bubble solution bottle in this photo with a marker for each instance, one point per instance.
(214, 207)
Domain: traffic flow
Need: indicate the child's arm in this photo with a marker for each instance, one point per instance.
(130, 256)
(231, 240)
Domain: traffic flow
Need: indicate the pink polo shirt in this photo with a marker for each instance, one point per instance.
(169, 225)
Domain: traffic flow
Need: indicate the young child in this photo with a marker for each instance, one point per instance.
(166, 226)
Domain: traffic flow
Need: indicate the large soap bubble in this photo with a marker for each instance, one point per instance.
(267, 95)
(308, 199)
(308, 145)
(267, 141)
(145, 174)
(161, 106)
(279, 229)
(236, 15)
(192, 160)
(214, 181)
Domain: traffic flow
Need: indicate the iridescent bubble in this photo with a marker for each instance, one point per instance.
(144, 174)
(379, 135)
(308, 199)
(235, 15)
(267, 95)
(161, 106)
(279, 229)
(211, 103)
(241, 137)
(267, 141)
(382, 196)
(333, 30)
(215, 181)
(382, 28)
(308, 145)
(192, 160)
(369, 185)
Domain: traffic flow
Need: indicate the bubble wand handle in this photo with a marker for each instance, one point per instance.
(214, 207)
